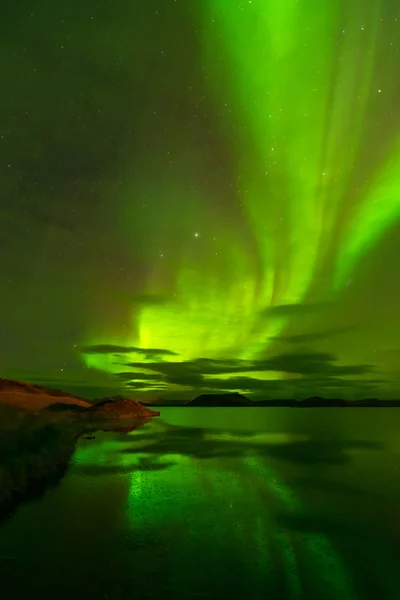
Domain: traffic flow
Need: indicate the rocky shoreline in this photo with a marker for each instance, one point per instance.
(28, 467)
(39, 427)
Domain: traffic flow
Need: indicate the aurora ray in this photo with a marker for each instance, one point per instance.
(297, 141)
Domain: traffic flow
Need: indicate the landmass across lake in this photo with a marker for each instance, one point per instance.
(239, 400)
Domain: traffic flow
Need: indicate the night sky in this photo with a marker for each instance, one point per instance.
(201, 196)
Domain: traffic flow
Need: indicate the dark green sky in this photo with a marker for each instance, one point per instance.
(201, 196)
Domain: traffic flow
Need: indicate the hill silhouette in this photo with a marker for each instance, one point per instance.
(35, 397)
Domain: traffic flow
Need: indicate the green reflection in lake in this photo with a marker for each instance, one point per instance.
(221, 503)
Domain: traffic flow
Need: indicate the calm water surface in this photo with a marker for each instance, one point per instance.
(219, 503)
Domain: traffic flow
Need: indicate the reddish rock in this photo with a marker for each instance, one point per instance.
(119, 408)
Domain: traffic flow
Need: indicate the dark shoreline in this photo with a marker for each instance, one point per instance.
(28, 470)
(29, 475)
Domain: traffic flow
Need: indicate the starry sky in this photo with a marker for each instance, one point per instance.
(201, 197)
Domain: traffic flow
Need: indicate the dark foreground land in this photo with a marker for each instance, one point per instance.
(35, 449)
(39, 427)
(218, 503)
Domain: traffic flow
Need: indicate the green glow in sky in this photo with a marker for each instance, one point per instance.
(292, 83)
(232, 196)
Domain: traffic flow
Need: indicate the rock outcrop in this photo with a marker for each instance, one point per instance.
(119, 408)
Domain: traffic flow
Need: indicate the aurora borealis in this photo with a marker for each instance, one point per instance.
(201, 196)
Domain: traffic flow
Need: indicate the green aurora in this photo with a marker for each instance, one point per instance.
(208, 198)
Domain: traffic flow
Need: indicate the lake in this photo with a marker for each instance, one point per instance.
(260, 503)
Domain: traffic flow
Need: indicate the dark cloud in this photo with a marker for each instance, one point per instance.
(291, 387)
(295, 310)
(305, 371)
(242, 383)
(290, 362)
(184, 373)
(201, 366)
(192, 379)
(111, 349)
(313, 362)
(316, 336)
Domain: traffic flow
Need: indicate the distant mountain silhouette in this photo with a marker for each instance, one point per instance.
(234, 399)
(319, 402)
